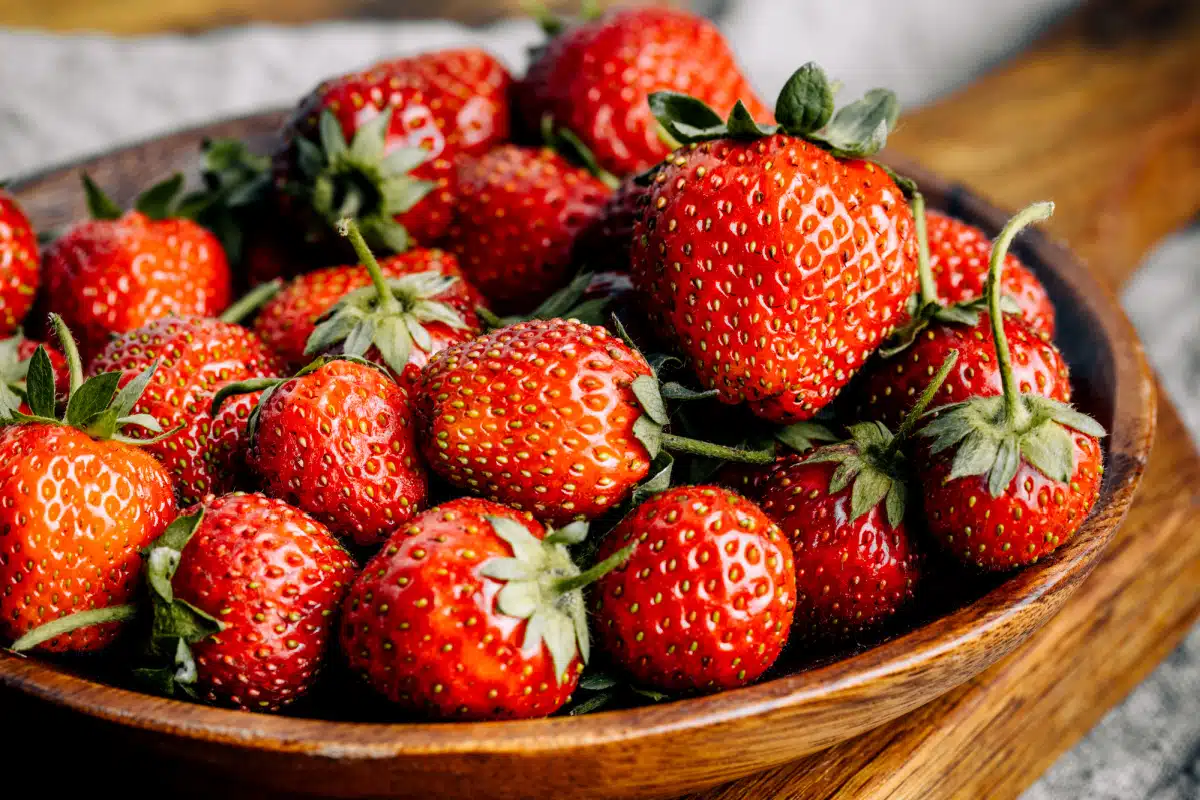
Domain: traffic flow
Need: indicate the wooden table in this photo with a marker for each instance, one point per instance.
(1104, 117)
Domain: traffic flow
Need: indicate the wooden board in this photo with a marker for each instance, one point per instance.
(1103, 117)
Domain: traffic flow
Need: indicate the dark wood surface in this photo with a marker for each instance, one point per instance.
(993, 735)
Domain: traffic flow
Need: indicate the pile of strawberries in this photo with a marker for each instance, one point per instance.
(360, 400)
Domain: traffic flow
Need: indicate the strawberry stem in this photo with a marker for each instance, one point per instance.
(695, 447)
(1036, 212)
(928, 290)
(250, 302)
(387, 301)
(914, 414)
(72, 622)
(70, 351)
(593, 573)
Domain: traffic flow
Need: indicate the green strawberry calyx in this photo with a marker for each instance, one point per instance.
(564, 142)
(567, 303)
(94, 406)
(924, 308)
(175, 623)
(360, 179)
(993, 435)
(650, 428)
(804, 109)
(389, 315)
(544, 587)
(872, 461)
(237, 188)
(160, 201)
(13, 370)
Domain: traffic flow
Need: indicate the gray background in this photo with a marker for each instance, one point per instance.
(65, 97)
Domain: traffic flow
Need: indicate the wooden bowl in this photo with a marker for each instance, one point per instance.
(662, 749)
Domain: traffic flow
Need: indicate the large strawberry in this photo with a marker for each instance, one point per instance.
(775, 257)
(78, 502)
(119, 271)
(472, 611)
(379, 145)
(516, 215)
(958, 259)
(555, 417)
(19, 273)
(843, 509)
(338, 441)
(1008, 478)
(705, 601)
(396, 314)
(594, 80)
(897, 375)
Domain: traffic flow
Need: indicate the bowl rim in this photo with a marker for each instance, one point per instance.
(1128, 447)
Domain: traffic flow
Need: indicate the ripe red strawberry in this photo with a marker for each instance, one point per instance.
(594, 79)
(397, 322)
(516, 214)
(555, 417)
(379, 145)
(893, 380)
(842, 507)
(797, 438)
(1008, 478)
(706, 600)
(472, 611)
(603, 246)
(197, 356)
(77, 505)
(776, 261)
(119, 271)
(273, 577)
(337, 441)
(426, 283)
(19, 273)
(958, 259)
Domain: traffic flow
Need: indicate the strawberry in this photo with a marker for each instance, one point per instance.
(424, 288)
(16, 352)
(379, 145)
(555, 417)
(396, 322)
(958, 259)
(603, 246)
(197, 356)
(472, 611)
(337, 440)
(1008, 478)
(516, 215)
(842, 508)
(119, 271)
(892, 380)
(797, 438)
(594, 79)
(775, 257)
(72, 543)
(259, 583)
(19, 273)
(705, 601)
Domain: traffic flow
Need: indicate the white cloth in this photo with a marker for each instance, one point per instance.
(63, 97)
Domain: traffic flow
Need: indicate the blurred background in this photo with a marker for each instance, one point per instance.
(78, 76)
